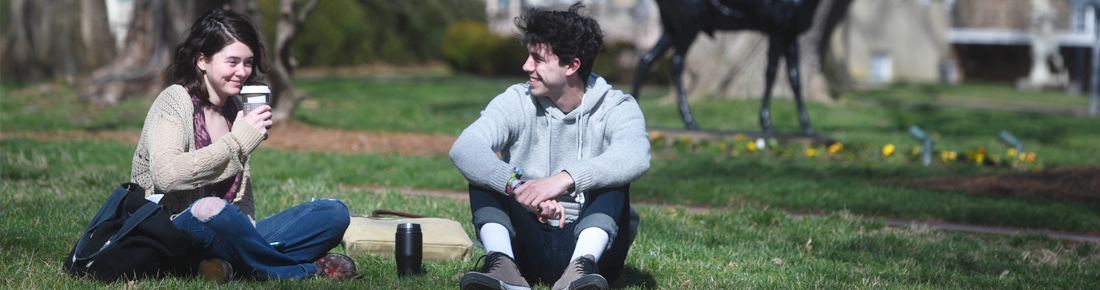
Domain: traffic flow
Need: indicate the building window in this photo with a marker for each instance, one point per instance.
(882, 67)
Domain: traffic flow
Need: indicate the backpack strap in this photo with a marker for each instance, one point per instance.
(146, 211)
(111, 208)
(114, 208)
(378, 213)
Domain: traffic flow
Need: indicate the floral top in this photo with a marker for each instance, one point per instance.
(225, 189)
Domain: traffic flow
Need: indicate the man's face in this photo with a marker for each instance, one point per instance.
(547, 75)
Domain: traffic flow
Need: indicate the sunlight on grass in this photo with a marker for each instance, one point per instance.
(51, 188)
(737, 248)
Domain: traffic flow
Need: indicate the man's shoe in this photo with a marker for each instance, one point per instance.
(335, 266)
(499, 273)
(216, 270)
(581, 274)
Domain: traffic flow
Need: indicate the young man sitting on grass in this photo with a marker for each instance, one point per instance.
(555, 206)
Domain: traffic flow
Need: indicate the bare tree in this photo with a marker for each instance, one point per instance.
(282, 72)
(158, 26)
(50, 39)
(155, 30)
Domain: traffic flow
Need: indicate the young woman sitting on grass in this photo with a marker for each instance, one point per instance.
(194, 154)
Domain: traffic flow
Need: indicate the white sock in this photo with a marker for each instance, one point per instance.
(592, 241)
(495, 238)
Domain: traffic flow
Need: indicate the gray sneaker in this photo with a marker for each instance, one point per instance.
(499, 273)
(581, 274)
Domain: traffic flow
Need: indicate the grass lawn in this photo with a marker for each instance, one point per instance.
(51, 188)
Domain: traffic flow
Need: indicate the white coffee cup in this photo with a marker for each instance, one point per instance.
(254, 97)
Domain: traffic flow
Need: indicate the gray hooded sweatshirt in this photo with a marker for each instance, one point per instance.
(601, 144)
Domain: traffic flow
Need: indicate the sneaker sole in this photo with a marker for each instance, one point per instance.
(479, 281)
(589, 282)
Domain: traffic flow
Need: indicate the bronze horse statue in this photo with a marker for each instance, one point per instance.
(781, 20)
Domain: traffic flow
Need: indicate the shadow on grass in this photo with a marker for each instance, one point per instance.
(634, 277)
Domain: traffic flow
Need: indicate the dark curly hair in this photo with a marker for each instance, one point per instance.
(211, 32)
(568, 33)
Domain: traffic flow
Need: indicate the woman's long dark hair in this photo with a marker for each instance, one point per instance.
(211, 32)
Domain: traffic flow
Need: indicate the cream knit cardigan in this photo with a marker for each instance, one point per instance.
(167, 162)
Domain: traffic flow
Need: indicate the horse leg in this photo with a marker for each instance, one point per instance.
(796, 87)
(774, 50)
(677, 71)
(643, 64)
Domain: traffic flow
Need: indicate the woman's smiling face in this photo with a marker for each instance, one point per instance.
(226, 70)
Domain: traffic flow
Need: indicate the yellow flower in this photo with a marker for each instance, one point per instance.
(916, 150)
(981, 150)
(833, 149)
(810, 152)
(979, 158)
(948, 156)
(1011, 152)
(721, 146)
(887, 150)
(1023, 156)
(685, 139)
(654, 135)
(739, 137)
(751, 146)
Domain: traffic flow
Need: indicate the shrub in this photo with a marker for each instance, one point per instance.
(470, 47)
(353, 32)
(618, 61)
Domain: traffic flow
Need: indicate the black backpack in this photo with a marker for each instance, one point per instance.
(130, 238)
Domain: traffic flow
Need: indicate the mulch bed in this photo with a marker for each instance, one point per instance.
(1071, 184)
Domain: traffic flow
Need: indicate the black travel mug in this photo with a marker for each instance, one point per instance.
(408, 249)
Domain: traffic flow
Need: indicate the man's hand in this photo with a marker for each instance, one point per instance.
(534, 192)
(551, 209)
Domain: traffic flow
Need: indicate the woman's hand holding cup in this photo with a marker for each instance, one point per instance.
(256, 111)
(259, 118)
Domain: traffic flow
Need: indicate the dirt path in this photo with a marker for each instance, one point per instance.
(294, 138)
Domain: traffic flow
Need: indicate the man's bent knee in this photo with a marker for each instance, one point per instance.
(206, 208)
(493, 215)
(600, 221)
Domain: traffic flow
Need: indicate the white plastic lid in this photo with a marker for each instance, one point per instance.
(255, 90)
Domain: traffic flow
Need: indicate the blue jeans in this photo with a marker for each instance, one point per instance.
(301, 234)
(543, 251)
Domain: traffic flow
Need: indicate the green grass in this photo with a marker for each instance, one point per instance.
(420, 104)
(863, 184)
(51, 189)
(53, 107)
(974, 93)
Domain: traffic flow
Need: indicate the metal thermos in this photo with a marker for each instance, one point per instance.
(409, 249)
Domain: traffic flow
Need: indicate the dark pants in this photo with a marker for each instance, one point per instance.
(543, 251)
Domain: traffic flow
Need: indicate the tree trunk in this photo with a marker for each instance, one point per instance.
(158, 27)
(732, 64)
(282, 72)
(51, 39)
